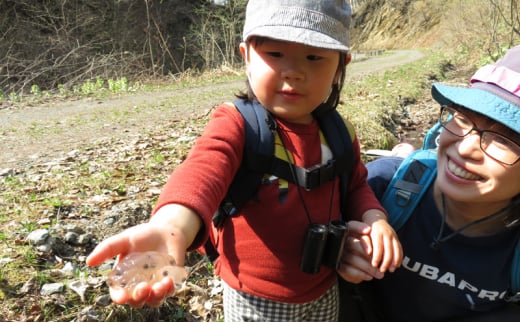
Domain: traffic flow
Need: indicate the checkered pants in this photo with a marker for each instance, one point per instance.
(242, 307)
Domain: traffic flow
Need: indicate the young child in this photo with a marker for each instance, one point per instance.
(295, 54)
(460, 241)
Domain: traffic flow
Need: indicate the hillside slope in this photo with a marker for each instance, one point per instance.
(476, 28)
(397, 24)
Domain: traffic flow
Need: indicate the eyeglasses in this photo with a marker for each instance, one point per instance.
(496, 146)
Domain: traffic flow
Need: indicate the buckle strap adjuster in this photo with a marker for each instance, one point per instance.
(315, 176)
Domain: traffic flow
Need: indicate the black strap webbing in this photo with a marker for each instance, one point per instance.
(259, 157)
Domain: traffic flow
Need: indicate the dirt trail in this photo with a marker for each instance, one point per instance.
(34, 134)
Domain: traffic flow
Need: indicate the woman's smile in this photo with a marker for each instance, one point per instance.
(460, 172)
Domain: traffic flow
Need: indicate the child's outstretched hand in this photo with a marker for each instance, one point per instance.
(386, 252)
(170, 231)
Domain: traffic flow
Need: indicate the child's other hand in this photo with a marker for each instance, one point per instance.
(387, 253)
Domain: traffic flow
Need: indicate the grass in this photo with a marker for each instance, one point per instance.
(377, 104)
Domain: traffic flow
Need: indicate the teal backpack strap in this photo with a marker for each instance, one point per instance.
(515, 267)
(431, 138)
(406, 189)
(515, 276)
(408, 185)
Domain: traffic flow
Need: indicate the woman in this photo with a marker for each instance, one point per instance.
(458, 244)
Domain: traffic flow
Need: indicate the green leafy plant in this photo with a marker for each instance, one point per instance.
(116, 86)
(35, 90)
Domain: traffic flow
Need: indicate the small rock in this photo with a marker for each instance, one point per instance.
(38, 237)
(5, 260)
(84, 239)
(53, 288)
(68, 269)
(79, 287)
(89, 314)
(6, 171)
(45, 248)
(74, 228)
(28, 286)
(103, 300)
(71, 238)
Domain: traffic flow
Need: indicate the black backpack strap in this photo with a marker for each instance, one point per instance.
(338, 138)
(340, 143)
(257, 158)
(258, 150)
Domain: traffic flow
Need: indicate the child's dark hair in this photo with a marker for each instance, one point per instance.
(333, 99)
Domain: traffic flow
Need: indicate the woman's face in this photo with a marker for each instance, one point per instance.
(289, 79)
(467, 174)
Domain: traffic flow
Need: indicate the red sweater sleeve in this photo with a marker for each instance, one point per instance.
(360, 197)
(201, 181)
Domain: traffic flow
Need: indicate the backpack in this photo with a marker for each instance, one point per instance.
(259, 159)
(408, 185)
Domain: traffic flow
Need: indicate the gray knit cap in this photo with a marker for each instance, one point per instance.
(318, 23)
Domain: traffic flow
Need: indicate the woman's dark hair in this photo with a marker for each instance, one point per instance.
(333, 99)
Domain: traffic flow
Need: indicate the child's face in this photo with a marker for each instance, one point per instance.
(467, 173)
(290, 79)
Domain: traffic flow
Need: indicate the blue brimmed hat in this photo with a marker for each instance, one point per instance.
(494, 91)
(323, 23)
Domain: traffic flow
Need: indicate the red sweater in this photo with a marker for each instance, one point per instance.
(260, 250)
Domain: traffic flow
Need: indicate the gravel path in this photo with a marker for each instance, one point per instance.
(33, 134)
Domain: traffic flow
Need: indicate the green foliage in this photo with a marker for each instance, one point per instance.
(90, 87)
(117, 86)
(54, 202)
(35, 90)
(376, 104)
(3, 238)
(62, 90)
(214, 38)
(493, 56)
(29, 226)
(14, 97)
(97, 87)
(30, 257)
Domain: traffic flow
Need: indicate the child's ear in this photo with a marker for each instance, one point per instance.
(243, 50)
(348, 58)
(245, 56)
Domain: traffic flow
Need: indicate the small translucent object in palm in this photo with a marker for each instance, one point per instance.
(150, 267)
